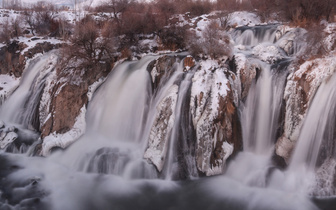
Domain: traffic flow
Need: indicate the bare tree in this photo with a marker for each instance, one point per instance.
(89, 44)
(117, 8)
(5, 32)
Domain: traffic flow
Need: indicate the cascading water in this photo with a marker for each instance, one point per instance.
(22, 106)
(318, 127)
(113, 144)
(259, 118)
(106, 168)
(172, 158)
(252, 36)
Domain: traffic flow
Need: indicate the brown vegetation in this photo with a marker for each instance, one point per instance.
(215, 43)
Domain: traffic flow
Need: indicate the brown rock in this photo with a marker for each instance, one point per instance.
(68, 97)
(188, 62)
(161, 70)
(228, 128)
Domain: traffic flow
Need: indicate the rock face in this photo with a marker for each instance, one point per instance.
(188, 62)
(216, 132)
(158, 141)
(11, 61)
(161, 70)
(214, 118)
(246, 72)
(65, 97)
(299, 92)
(13, 138)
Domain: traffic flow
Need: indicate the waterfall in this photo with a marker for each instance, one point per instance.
(259, 117)
(113, 143)
(261, 110)
(252, 36)
(140, 138)
(22, 106)
(176, 132)
(318, 127)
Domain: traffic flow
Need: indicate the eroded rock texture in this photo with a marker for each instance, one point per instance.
(301, 87)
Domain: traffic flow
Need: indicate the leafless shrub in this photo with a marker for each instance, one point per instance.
(90, 45)
(314, 39)
(5, 33)
(195, 7)
(300, 11)
(173, 37)
(215, 42)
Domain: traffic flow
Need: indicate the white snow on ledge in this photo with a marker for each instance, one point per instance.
(64, 140)
(78, 129)
(32, 43)
(7, 86)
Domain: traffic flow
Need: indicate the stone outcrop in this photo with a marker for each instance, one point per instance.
(65, 95)
(41, 48)
(214, 117)
(246, 72)
(161, 70)
(299, 92)
(12, 138)
(158, 141)
(11, 60)
(188, 63)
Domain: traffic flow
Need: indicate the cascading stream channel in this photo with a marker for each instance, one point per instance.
(183, 90)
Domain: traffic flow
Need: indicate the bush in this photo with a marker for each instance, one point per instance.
(215, 42)
(90, 45)
(5, 32)
(10, 29)
(173, 37)
(308, 10)
(195, 7)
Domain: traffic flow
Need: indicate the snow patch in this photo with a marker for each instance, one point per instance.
(64, 140)
(267, 53)
(209, 85)
(163, 124)
(7, 86)
(243, 18)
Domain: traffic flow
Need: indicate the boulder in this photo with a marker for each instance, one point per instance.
(215, 118)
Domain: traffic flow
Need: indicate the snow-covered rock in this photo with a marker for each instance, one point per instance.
(299, 92)
(7, 86)
(214, 117)
(161, 129)
(267, 53)
(243, 18)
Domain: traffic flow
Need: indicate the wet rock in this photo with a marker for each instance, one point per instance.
(161, 70)
(11, 61)
(301, 87)
(246, 72)
(284, 148)
(12, 129)
(41, 48)
(325, 184)
(8, 139)
(64, 96)
(215, 119)
(160, 132)
(2, 124)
